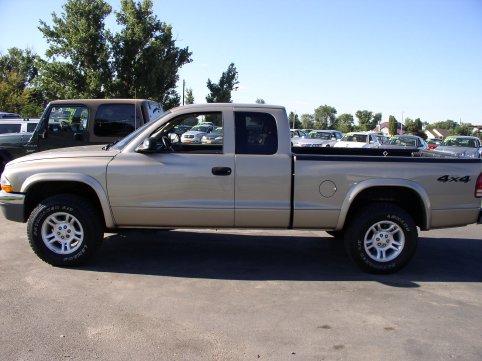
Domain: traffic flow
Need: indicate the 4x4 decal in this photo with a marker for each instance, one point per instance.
(449, 178)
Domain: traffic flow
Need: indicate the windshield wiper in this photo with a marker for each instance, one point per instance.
(106, 147)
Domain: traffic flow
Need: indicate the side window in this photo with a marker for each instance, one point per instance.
(31, 127)
(154, 110)
(256, 133)
(10, 128)
(115, 120)
(199, 132)
(68, 119)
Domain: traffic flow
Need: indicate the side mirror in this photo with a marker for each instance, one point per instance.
(175, 138)
(148, 146)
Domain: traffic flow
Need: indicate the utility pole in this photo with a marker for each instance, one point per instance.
(401, 123)
(183, 87)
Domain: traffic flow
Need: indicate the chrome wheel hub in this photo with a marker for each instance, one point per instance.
(62, 233)
(384, 241)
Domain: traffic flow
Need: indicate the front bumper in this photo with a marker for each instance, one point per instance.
(12, 205)
(479, 220)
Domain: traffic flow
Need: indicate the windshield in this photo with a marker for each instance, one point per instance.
(200, 128)
(359, 138)
(460, 142)
(124, 141)
(403, 141)
(320, 135)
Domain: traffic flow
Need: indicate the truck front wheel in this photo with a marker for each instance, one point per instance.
(64, 230)
(381, 238)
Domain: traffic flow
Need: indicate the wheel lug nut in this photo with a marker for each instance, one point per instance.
(68, 231)
(62, 237)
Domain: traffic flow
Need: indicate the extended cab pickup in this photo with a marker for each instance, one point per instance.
(373, 199)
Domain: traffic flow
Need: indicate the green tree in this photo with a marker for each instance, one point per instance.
(145, 56)
(18, 72)
(220, 92)
(345, 123)
(392, 125)
(325, 117)
(260, 101)
(189, 99)
(294, 120)
(307, 121)
(446, 124)
(78, 37)
(377, 119)
(463, 129)
(365, 119)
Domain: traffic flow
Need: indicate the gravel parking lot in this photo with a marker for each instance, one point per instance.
(217, 295)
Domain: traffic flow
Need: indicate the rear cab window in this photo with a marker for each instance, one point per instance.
(256, 133)
(116, 120)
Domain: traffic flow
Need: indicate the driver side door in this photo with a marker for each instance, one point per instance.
(191, 185)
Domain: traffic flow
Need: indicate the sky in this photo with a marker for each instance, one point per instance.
(422, 58)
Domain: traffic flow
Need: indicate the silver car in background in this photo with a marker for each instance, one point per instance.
(320, 138)
(359, 140)
(406, 141)
(196, 133)
(461, 146)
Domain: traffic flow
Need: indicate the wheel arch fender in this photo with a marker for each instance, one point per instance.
(358, 188)
(75, 177)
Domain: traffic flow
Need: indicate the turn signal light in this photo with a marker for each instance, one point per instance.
(7, 188)
(478, 187)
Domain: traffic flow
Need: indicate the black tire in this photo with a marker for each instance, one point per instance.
(86, 214)
(359, 225)
(336, 234)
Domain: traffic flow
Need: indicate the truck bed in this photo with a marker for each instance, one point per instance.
(376, 155)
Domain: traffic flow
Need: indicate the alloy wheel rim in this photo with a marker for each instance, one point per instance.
(62, 233)
(384, 241)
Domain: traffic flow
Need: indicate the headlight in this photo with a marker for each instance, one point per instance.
(5, 184)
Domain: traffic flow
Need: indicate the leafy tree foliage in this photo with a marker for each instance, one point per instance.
(365, 119)
(294, 120)
(345, 123)
(18, 70)
(414, 127)
(78, 37)
(146, 59)
(220, 92)
(260, 101)
(307, 121)
(463, 129)
(189, 99)
(325, 117)
(392, 125)
(446, 124)
(377, 119)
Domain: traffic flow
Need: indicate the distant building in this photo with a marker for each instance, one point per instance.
(477, 129)
(437, 133)
(383, 128)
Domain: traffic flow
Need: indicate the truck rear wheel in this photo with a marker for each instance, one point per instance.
(64, 230)
(381, 238)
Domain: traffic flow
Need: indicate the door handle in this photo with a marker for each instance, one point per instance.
(221, 171)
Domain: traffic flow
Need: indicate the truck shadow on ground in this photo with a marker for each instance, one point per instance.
(267, 257)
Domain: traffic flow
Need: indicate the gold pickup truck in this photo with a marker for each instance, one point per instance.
(374, 200)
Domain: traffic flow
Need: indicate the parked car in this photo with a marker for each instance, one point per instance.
(6, 115)
(359, 140)
(75, 122)
(296, 134)
(215, 137)
(17, 126)
(196, 133)
(461, 146)
(320, 138)
(406, 141)
(434, 143)
(374, 199)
